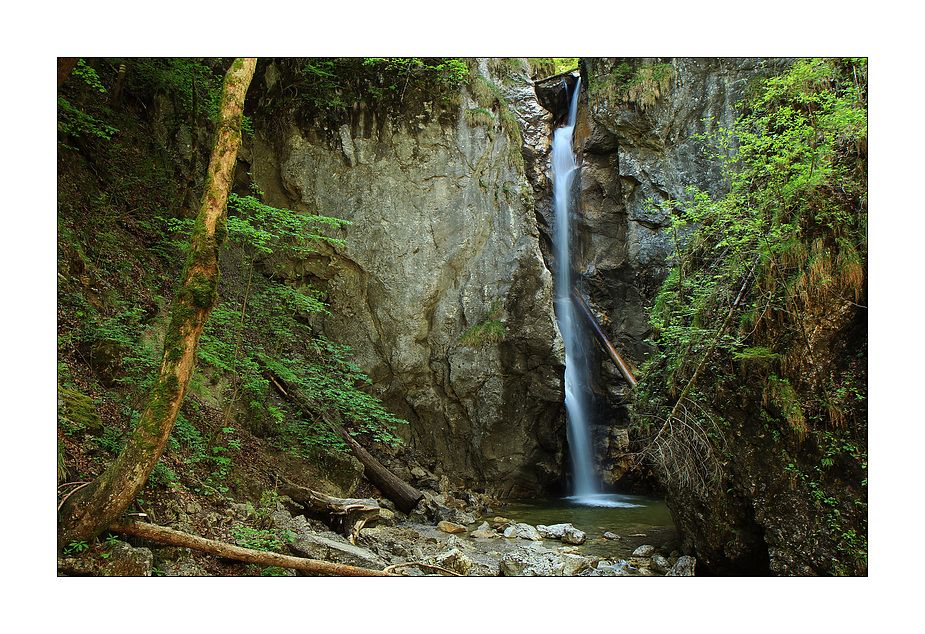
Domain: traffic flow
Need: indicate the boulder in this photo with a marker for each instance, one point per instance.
(484, 531)
(542, 563)
(332, 547)
(684, 567)
(126, 561)
(660, 564)
(455, 561)
(645, 550)
(523, 531)
(567, 533)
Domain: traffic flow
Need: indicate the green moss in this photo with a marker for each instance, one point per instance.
(479, 116)
(487, 331)
(202, 291)
(77, 414)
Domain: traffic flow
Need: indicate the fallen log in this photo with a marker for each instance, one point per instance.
(605, 342)
(344, 515)
(400, 492)
(164, 535)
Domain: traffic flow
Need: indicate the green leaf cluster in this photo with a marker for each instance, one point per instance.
(786, 245)
(338, 82)
(268, 329)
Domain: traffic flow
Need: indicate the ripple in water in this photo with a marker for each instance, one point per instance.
(604, 500)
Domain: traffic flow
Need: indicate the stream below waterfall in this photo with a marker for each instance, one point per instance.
(636, 519)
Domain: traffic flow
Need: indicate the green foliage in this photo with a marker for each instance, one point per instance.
(267, 330)
(489, 330)
(336, 83)
(756, 270)
(75, 548)
(73, 121)
(563, 64)
(268, 230)
(642, 85)
(88, 75)
(548, 66)
(256, 538)
(193, 86)
(479, 116)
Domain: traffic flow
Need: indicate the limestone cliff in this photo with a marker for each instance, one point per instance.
(786, 502)
(440, 287)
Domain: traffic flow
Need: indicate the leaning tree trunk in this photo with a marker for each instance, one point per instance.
(89, 511)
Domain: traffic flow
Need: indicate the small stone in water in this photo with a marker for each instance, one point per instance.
(644, 551)
(609, 535)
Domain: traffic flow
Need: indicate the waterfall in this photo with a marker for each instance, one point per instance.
(577, 402)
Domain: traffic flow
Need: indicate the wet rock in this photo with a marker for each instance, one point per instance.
(126, 561)
(645, 550)
(660, 564)
(684, 567)
(609, 535)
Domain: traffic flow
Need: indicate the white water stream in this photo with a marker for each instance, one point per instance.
(586, 488)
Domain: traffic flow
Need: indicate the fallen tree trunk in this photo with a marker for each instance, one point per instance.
(403, 494)
(400, 492)
(605, 342)
(344, 515)
(164, 535)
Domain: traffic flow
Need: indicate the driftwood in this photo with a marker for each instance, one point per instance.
(400, 492)
(164, 535)
(605, 342)
(344, 515)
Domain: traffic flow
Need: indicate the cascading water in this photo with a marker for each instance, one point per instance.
(586, 486)
(576, 373)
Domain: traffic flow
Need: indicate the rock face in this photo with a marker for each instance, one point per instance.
(638, 150)
(641, 149)
(443, 242)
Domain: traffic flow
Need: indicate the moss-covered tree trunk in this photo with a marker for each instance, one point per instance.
(90, 510)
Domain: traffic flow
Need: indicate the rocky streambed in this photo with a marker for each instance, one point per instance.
(447, 534)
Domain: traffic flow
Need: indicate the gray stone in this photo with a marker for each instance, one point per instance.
(644, 551)
(541, 563)
(523, 531)
(126, 561)
(336, 550)
(427, 193)
(454, 560)
(185, 567)
(484, 531)
(684, 567)
(565, 532)
(660, 564)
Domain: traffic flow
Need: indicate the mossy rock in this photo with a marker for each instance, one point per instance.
(77, 413)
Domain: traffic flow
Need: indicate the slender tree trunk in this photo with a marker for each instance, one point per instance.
(65, 66)
(98, 505)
